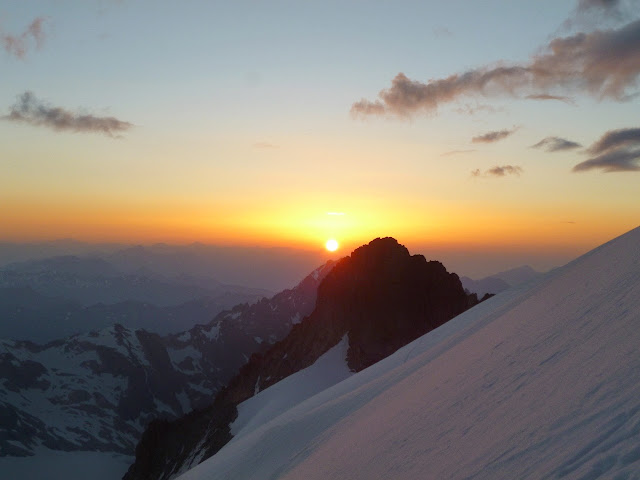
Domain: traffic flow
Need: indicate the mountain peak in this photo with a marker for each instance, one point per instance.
(377, 299)
(378, 249)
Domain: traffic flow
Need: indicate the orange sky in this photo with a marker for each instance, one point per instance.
(248, 133)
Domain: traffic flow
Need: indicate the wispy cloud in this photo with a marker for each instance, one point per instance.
(546, 96)
(456, 152)
(18, 45)
(606, 5)
(473, 109)
(442, 31)
(265, 145)
(28, 109)
(498, 171)
(602, 64)
(491, 137)
(556, 144)
(615, 151)
(594, 12)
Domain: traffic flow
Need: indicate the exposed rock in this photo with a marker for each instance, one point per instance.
(381, 296)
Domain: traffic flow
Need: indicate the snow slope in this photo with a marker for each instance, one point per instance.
(328, 370)
(539, 382)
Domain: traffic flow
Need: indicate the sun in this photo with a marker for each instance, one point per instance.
(331, 245)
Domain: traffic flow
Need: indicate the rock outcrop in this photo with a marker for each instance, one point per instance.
(380, 296)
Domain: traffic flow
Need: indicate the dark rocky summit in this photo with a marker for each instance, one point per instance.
(380, 296)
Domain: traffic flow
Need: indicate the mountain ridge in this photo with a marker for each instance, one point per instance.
(540, 381)
(98, 390)
(380, 298)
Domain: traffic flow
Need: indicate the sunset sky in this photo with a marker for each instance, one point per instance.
(473, 127)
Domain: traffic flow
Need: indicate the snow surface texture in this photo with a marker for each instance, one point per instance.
(539, 382)
(328, 370)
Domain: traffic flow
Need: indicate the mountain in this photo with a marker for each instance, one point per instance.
(20, 252)
(268, 268)
(500, 281)
(370, 304)
(89, 281)
(42, 300)
(487, 285)
(28, 315)
(539, 382)
(97, 391)
(518, 275)
(274, 269)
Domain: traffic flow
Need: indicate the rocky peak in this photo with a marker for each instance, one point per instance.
(380, 296)
(383, 297)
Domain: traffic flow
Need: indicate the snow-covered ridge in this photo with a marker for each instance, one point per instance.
(541, 381)
(328, 370)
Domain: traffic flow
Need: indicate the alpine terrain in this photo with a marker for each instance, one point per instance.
(538, 382)
(370, 304)
(96, 392)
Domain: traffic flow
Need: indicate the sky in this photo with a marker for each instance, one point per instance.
(490, 133)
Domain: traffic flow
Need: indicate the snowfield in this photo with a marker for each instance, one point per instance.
(328, 370)
(540, 382)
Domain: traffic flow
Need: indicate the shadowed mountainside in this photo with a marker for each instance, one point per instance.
(381, 297)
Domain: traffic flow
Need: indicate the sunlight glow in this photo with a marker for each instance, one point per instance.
(331, 245)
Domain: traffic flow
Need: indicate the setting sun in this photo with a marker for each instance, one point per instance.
(331, 245)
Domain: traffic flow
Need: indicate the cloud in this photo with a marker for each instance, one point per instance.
(615, 139)
(498, 171)
(606, 5)
(556, 144)
(602, 64)
(546, 96)
(456, 152)
(617, 161)
(407, 97)
(590, 13)
(18, 45)
(28, 109)
(265, 145)
(473, 109)
(491, 137)
(365, 107)
(442, 31)
(615, 151)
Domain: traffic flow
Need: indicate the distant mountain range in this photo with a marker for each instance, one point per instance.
(501, 281)
(41, 300)
(97, 391)
(269, 268)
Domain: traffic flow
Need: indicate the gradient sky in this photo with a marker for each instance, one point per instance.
(247, 122)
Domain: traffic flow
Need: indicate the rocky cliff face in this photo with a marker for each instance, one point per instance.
(98, 391)
(380, 296)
